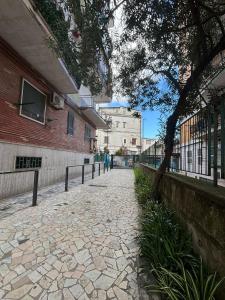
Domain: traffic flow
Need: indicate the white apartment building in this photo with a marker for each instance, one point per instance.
(124, 131)
(146, 143)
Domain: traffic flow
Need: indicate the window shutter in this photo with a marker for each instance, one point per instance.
(70, 123)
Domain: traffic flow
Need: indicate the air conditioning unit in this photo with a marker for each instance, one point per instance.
(57, 101)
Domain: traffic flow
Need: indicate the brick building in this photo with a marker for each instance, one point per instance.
(44, 121)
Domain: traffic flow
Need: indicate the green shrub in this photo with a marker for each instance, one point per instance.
(162, 239)
(193, 284)
(167, 250)
(143, 186)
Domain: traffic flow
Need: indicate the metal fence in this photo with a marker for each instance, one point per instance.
(199, 146)
(124, 161)
(97, 168)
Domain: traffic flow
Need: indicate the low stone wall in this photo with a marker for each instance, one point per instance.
(202, 207)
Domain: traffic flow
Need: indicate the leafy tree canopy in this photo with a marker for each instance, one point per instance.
(173, 40)
(84, 54)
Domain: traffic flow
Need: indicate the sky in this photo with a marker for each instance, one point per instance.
(150, 123)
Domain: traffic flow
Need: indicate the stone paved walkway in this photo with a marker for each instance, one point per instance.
(76, 245)
(15, 203)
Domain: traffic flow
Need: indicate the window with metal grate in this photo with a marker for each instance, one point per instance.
(27, 162)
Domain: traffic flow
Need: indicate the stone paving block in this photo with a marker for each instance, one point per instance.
(104, 282)
(93, 275)
(36, 291)
(121, 295)
(76, 245)
(76, 290)
(20, 292)
(35, 276)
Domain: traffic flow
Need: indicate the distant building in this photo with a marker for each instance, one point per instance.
(124, 132)
(146, 143)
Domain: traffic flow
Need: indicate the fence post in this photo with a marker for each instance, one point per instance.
(111, 164)
(66, 179)
(35, 188)
(93, 167)
(99, 169)
(83, 174)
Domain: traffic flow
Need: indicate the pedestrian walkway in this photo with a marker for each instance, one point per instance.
(76, 245)
(15, 203)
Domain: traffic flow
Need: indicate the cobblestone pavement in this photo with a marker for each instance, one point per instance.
(13, 204)
(76, 245)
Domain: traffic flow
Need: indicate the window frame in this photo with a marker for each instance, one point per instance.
(87, 138)
(21, 102)
(106, 138)
(86, 161)
(134, 139)
(17, 162)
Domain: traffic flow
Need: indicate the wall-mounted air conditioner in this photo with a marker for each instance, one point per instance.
(57, 101)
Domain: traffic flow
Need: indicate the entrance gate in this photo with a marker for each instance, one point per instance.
(123, 161)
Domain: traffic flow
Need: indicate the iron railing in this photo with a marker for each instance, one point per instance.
(83, 172)
(199, 145)
(36, 176)
(35, 185)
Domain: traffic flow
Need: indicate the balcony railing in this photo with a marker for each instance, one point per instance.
(87, 102)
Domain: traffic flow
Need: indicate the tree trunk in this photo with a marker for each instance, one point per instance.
(179, 111)
(169, 141)
(215, 146)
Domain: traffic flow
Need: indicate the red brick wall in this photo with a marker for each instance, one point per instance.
(17, 129)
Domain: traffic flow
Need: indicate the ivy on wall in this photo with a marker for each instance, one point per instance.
(92, 44)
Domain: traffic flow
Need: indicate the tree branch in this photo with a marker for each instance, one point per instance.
(215, 15)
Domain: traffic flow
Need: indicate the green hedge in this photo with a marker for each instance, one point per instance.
(167, 250)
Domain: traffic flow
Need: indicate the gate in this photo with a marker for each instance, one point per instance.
(123, 161)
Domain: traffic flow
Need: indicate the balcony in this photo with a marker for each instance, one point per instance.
(87, 106)
(87, 102)
(27, 33)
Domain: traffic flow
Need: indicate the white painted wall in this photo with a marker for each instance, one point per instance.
(117, 135)
(146, 143)
(53, 167)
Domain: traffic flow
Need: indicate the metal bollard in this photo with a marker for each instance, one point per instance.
(99, 169)
(83, 174)
(66, 179)
(35, 188)
(93, 171)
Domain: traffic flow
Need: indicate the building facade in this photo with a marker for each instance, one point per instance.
(146, 143)
(124, 132)
(45, 122)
